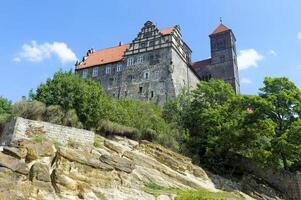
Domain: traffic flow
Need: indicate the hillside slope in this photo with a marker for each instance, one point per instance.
(116, 168)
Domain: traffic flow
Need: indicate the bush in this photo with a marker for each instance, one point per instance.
(54, 114)
(109, 128)
(33, 110)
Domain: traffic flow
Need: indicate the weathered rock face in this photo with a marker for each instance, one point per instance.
(120, 169)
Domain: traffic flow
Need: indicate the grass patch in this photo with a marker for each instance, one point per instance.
(109, 128)
(200, 194)
(203, 194)
(57, 144)
(156, 190)
(38, 138)
(98, 141)
(72, 143)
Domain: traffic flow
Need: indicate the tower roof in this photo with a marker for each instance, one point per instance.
(221, 28)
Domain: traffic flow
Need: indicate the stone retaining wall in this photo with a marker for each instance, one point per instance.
(20, 128)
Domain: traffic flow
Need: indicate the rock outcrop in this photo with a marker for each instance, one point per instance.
(117, 169)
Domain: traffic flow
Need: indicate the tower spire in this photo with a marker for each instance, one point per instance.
(221, 20)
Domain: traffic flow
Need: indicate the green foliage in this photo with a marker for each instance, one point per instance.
(106, 127)
(71, 92)
(5, 109)
(202, 194)
(98, 141)
(33, 110)
(284, 109)
(40, 138)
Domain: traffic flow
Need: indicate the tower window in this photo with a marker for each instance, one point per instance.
(125, 93)
(222, 58)
(152, 94)
(140, 90)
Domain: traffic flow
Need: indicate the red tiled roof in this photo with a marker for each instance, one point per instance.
(167, 31)
(201, 64)
(220, 28)
(104, 56)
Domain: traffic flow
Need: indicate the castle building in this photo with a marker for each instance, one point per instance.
(156, 65)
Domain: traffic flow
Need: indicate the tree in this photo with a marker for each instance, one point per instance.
(5, 109)
(72, 92)
(213, 120)
(284, 109)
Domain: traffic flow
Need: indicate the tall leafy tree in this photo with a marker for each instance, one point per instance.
(284, 109)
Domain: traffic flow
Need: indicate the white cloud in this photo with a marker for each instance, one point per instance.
(17, 59)
(246, 81)
(248, 58)
(299, 35)
(35, 52)
(271, 52)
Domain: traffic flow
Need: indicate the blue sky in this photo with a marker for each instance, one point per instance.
(39, 38)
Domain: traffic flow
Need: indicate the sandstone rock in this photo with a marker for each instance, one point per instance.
(13, 164)
(163, 197)
(118, 163)
(84, 158)
(35, 150)
(15, 152)
(39, 172)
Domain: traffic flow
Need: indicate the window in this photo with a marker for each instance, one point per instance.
(119, 67)
(152, 94)
(85, 74)
(130, 78)
(142, 45)
(130, 61)
(206, 77)
(222, 58)
(140, 59)
(108, 70)
(140, 90)
(151, 43)
(95, 72)
(146, 75)
(125, 93)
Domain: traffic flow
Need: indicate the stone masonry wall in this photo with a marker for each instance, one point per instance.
(20, 128)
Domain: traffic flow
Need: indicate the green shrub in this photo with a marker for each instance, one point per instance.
(71, 119)
(29, 109)
(110, 128)
(98, 141)
(54, 114)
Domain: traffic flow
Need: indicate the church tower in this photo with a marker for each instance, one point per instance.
(223, 56)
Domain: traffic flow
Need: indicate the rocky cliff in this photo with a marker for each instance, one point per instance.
(116, 168)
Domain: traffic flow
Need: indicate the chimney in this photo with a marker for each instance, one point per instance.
(120, 43)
